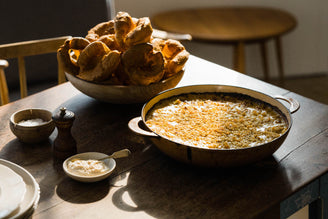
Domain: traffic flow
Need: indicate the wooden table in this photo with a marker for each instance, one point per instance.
(152, 185)
(237, 25)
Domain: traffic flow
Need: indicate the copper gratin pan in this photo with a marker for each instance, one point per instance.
(214, 157)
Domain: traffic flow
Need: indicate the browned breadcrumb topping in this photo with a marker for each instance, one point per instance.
(211, 120)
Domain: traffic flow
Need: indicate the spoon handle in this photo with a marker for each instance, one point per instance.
(118, 154)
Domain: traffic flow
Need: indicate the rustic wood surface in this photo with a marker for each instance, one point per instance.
(149, 184)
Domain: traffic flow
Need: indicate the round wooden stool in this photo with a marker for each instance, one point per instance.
(237, 25)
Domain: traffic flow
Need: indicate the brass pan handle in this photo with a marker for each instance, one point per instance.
(134, 126)
(294, 104)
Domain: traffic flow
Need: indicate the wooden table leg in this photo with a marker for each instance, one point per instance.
(239, 57)
(319, 208)
(324, 195)
(305, 196)
(264, 60)
(279, 59)
(315, 209)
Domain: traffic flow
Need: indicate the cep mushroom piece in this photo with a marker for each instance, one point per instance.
(141, 33)
(131, 31)
(69, 52)
(104, 28)
(97, 62)
(122, 51)
(143, 64)
(123, 24)
(175, 57)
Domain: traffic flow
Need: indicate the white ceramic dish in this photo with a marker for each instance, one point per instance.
(32, 193)
(110, 163)
(12, 191)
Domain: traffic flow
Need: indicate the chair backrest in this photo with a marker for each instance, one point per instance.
(20, 50)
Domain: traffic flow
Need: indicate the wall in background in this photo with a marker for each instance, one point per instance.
(305, 48)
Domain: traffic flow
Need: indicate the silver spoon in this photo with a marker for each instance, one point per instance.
(118, 154)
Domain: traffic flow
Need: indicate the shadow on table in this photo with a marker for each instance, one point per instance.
(26, 154)
(52, 179)
(77, 192)
(164, 188)
(94, 129)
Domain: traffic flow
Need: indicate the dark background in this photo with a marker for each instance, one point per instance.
(38, 19)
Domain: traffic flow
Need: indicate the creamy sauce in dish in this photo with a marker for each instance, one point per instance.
(212, 120)
(87, 167)
(32, 122)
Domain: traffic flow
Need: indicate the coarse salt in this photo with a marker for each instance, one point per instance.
(31, 122)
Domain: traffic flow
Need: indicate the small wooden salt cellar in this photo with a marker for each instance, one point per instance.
(64, 144)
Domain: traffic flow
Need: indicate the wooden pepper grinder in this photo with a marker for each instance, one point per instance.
(64, 144)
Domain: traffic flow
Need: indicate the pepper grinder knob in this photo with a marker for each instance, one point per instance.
(62, 111)
(64, 144)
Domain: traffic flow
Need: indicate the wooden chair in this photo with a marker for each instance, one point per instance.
(20, 50)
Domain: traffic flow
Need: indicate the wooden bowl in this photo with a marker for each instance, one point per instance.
(35, 133)
(123, 94)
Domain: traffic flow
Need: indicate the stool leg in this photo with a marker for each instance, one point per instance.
(264, 60)
(239, 57)
(279, 59)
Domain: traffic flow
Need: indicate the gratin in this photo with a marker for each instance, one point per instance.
(212, 120)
